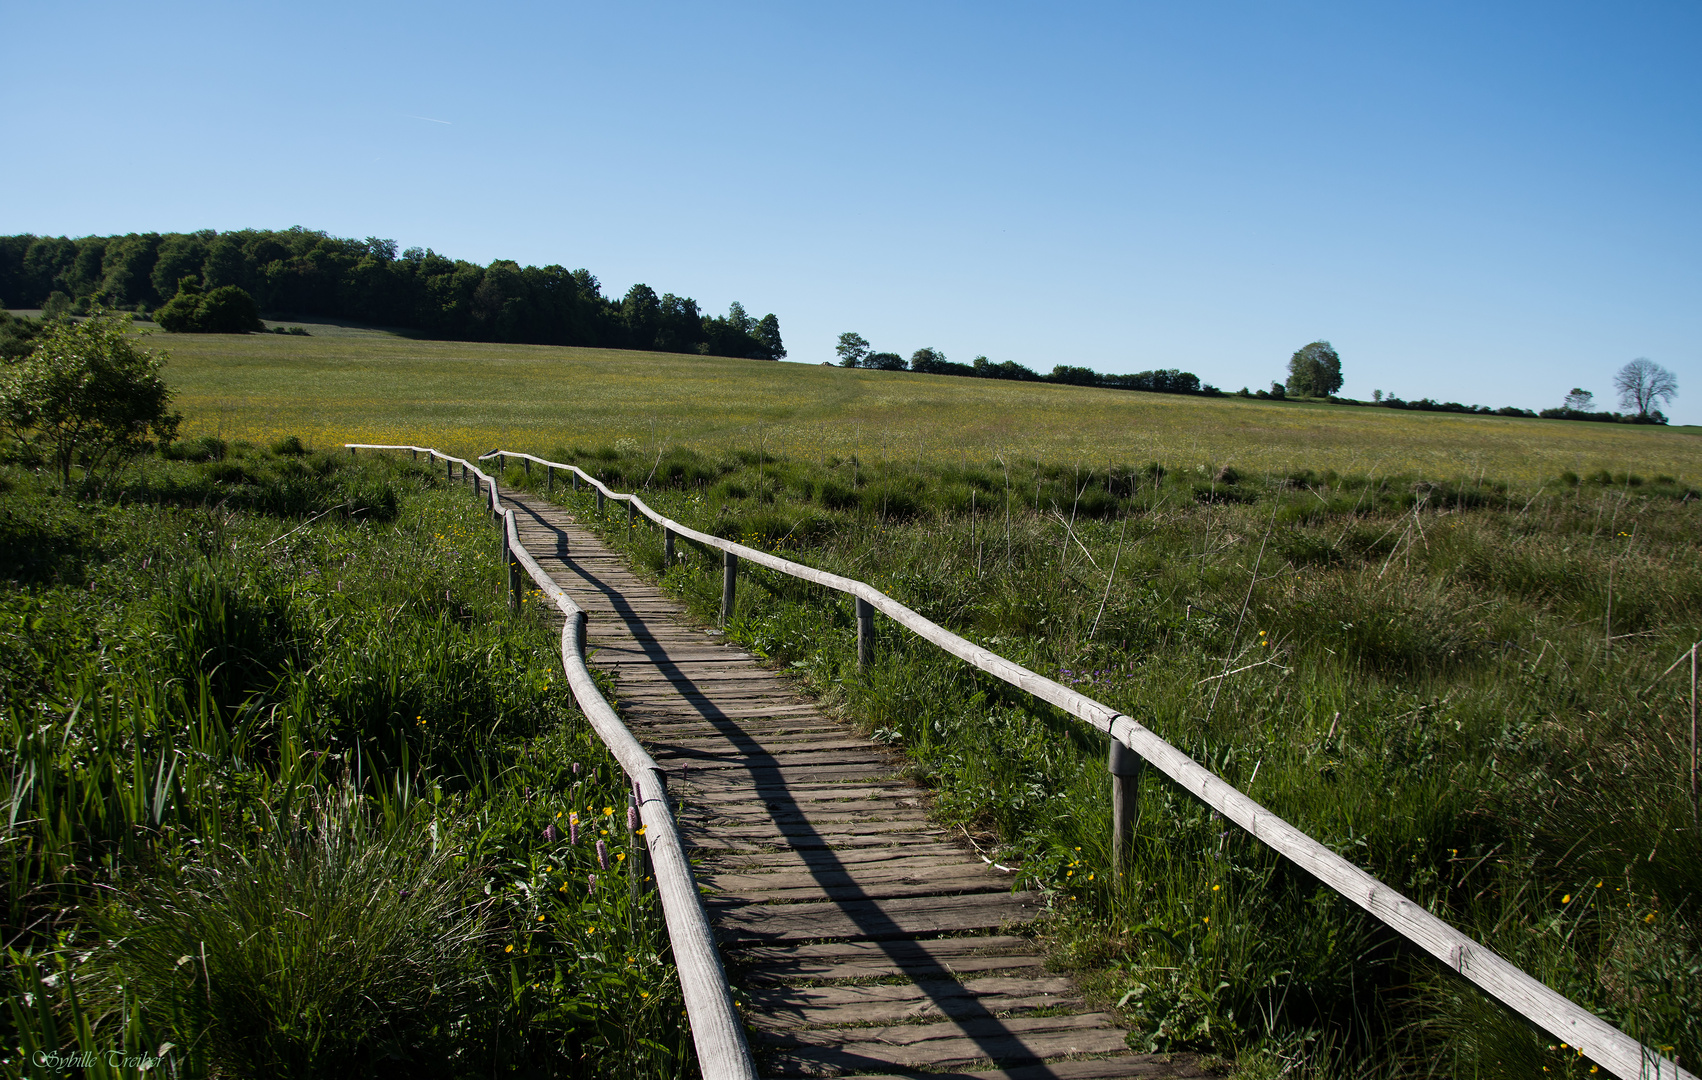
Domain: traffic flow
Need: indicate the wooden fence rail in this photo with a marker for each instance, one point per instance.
(1556, 1014)
(716, 1029)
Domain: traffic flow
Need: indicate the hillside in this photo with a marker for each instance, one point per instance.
(349, 383)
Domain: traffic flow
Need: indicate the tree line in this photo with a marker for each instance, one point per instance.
(305, 273)
(855, 352)
(1315, 371)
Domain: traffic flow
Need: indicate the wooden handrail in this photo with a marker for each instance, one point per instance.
(716, 1030)
(1603, 1043)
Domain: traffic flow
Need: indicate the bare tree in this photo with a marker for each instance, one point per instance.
(1644, 384)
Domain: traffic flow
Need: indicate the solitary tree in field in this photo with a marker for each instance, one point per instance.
(852, 349)
(87, 394)
(1644, 384)
(1580, 400)
(1314, 370)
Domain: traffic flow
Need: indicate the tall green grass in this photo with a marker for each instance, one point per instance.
(286, 788)
(1452, 685)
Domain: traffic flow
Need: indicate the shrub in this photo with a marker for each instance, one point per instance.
(87, 394)
(226, 310)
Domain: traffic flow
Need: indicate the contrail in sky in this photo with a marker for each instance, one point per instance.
(411, 116)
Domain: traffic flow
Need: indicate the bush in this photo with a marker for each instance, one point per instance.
(87, 395)
(225, 310)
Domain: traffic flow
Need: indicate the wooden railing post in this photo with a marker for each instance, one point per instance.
(865, 632)
(1125, 767)
(667, 547)
(526, 461)
(413, 455)
(351, 453)
(549, 478)
(600, 500)
(575, 477)
(512, 565)
(729, 582)
(631, 518)
(448, 470)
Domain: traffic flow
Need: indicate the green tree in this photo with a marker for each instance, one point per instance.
(767, 332)
(179, 256)
(225, 264)
(1314, 370)
(87, 394)
(853, 349)
(927, 359)
(642, 313)
(56, 306)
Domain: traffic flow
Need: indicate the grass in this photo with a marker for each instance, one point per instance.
(351, 384)
(1453, 688)
(288, 788)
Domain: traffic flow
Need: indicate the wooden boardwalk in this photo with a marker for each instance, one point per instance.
(863, 938)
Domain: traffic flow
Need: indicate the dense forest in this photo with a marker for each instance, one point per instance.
(302, 273)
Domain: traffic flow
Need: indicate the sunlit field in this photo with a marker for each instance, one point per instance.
(349, 384)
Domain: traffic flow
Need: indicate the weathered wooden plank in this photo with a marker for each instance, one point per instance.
(686, 771)
(802, 758)
(727, 743)
(724, 841)
(924, 999)
(1012, 1040)
(782, 727)
(1123, 1067)
(854, 883)
(899, 791)
(871, 919)
(811, 859)
(863, 960)
(730, 711)
(836, 816)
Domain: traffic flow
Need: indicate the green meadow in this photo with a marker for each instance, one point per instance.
(353, 384)
(1439, 644)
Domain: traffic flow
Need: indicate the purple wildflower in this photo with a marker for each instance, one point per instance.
(631, 818)
(602, 855)
(590, 883)
(573, 829)
(576, 768)
(551, 833)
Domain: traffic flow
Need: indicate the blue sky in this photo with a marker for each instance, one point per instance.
(1485, 203)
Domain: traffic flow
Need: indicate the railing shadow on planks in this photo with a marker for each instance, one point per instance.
(1132, 746)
